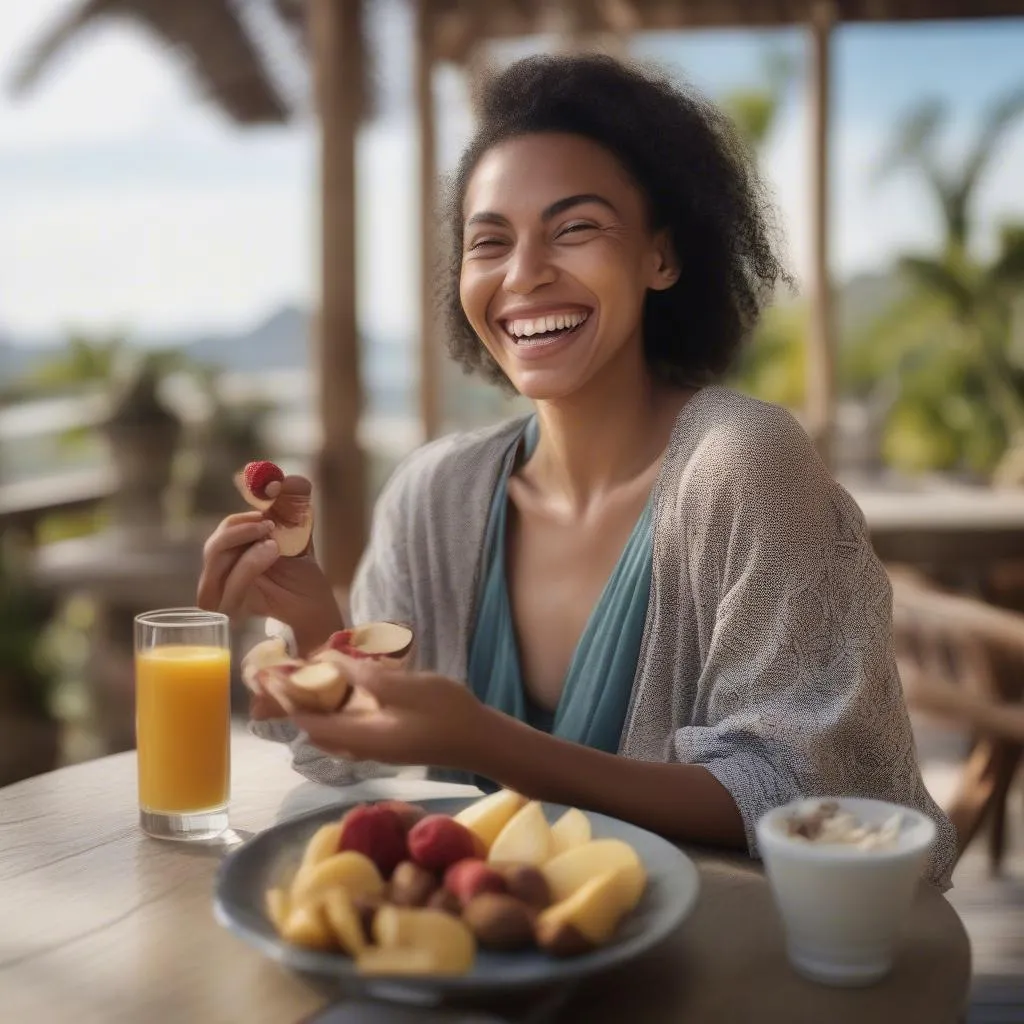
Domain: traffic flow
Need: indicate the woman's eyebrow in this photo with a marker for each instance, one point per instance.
(557, 207)
(561, 205)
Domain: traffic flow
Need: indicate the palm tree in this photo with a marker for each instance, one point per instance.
(774, 365)
(943, 349)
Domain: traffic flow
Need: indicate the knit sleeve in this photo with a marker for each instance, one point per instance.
(798, 691)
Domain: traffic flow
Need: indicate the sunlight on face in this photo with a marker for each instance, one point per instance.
(557, 259)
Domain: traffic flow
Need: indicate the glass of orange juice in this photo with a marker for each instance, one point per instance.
(183, 722)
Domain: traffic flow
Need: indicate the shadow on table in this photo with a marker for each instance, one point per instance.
(311, 796)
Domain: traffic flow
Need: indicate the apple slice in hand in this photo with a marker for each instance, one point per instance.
(291, 513)
(269, 653)
(388, 642)
(314, 686)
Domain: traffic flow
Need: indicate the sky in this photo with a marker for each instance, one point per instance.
(129, 203)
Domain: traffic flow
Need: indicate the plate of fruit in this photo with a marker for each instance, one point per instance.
(455, 895)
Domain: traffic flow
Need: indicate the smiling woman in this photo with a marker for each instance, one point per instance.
(649, 597)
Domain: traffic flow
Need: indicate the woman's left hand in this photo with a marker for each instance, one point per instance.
(421, 719)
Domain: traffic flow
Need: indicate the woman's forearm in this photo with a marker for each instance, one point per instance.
(679, 801)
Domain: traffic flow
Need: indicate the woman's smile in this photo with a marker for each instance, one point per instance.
(538, 333)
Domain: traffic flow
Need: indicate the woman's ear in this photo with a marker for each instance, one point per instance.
(665, 268)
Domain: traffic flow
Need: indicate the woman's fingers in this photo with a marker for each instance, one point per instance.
(332, 733)
(223, 549)
(263, 706)
(276, 692)
(383, 684)
(250, 565)
(296, 485)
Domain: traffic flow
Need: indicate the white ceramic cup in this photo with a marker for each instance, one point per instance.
(843, 909)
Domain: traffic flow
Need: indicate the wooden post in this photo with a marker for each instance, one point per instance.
(430, 378)
(820, 398)
(339, 473)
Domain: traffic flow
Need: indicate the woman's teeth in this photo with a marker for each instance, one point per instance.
(540, 329)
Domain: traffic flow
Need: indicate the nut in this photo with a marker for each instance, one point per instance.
(499, 921)
(411, 885)
(527, 884)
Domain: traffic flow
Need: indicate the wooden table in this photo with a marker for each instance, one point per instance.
(99, 923)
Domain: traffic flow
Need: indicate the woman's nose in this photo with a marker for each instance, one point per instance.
(528, 268)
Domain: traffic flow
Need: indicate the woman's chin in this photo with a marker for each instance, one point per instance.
(546, 388)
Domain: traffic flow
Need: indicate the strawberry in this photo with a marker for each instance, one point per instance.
(258, 474)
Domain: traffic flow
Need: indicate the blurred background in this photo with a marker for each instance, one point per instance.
(214, 217)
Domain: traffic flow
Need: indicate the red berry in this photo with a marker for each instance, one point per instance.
(470, 877)
(438, 841)
(378, 832)
(258, 474)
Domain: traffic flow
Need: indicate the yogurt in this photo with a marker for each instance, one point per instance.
(827, 822)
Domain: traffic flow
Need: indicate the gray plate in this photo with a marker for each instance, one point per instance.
(271, 857)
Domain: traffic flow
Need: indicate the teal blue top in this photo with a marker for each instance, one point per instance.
(599, 681)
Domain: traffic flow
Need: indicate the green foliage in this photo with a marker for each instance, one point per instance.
(84, 361)
(946, 349)
(773, 365)
(755, 110)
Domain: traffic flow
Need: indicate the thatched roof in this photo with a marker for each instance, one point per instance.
(253, 67)
(459, 24)
(245, 53)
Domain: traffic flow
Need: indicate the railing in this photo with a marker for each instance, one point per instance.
(292, 423)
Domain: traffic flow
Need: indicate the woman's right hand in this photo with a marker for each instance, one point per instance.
(244, 574)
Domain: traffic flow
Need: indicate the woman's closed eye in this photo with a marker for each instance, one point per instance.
(484, 243)
(576, 228)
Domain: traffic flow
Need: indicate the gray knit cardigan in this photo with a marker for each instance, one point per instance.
(767, 652)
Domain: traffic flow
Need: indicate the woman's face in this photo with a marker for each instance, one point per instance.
(557, 258)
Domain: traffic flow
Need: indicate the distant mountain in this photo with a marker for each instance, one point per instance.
(282, 341)
(279, 342)
(18, 360)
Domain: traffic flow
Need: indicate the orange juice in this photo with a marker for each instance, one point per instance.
(183, 724)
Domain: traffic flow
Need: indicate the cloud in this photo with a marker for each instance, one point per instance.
(126, 200)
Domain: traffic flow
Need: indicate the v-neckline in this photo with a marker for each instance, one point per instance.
(643, 521)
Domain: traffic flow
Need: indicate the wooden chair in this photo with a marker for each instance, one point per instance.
(962, 660)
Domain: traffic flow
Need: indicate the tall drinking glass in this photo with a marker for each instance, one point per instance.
(183, 722)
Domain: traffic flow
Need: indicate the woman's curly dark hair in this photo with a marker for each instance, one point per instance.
(700, 182)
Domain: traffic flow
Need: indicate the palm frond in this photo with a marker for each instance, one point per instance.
(1007, 269)
(942, 279)
(998, 119)
(912, 143)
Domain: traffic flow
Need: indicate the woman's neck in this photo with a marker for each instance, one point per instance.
(608, 435)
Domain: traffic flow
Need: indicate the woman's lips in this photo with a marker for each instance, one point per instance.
(539, 346)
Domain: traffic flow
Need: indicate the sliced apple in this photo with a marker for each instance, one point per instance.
(292, 513)
(357, 700)
(349, 870)
(588, 918)
(568, 871)
(344, 922)
(322, 844)
(314, 686)
(381, 641)
(268, 653)
(487, 816)
(306, 925)
(571, 829)
(293, 518)
(524, 839)
(446, 939)
(278, 905)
